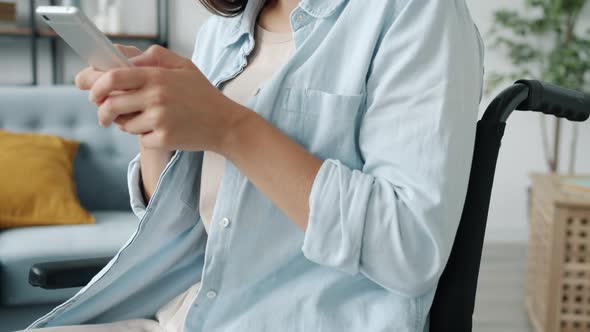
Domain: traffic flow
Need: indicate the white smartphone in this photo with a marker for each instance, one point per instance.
(84, 37)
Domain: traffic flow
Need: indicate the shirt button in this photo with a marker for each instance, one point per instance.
(225, 222)
(211, 294)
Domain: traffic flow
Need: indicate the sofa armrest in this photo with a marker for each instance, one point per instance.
(66, 274)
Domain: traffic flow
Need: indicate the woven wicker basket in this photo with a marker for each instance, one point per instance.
(558, 273)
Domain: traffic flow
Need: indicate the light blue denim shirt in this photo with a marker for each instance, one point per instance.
(387, 94)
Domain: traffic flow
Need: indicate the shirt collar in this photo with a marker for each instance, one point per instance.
(320, 8)
(244, 23)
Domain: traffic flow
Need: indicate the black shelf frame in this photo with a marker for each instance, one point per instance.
(56, 45)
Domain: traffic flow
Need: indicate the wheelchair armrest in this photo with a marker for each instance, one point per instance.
(66, 274)
(552, 99)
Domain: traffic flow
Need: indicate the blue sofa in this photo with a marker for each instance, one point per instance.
(100, 174)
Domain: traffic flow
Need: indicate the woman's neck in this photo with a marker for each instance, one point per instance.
(275, 15)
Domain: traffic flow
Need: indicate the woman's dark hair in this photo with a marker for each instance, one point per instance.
(225, 7)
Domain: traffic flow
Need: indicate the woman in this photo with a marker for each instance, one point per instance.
(338, 138)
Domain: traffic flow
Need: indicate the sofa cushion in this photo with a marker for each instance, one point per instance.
(100, 167)
(21, 248)
(37, 185)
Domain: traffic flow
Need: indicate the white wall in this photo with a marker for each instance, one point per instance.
(187, 17)
(521, 153)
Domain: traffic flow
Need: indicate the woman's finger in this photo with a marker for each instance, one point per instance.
(158, 56)
(87, 77)
(136, 123)
(129, 51)
(124, 118)
(117, 80)
(120, 104)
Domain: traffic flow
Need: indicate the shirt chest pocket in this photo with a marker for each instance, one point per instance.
(325, 124)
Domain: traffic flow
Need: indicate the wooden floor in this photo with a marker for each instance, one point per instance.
(500, 295)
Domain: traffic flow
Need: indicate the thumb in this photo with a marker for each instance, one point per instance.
(158, 56)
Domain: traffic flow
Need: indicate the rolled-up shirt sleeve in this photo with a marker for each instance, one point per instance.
(138, 204)
(395, 219)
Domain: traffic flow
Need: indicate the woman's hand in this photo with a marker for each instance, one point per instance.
(153, 161)
(87, 77)
(166, 100)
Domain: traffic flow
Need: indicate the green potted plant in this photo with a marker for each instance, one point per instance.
(545, 43)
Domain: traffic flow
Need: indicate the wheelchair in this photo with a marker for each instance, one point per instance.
(454, 302)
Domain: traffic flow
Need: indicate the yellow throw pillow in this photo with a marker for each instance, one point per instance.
(36, 181)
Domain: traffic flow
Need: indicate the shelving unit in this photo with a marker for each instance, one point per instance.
(34, 34)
